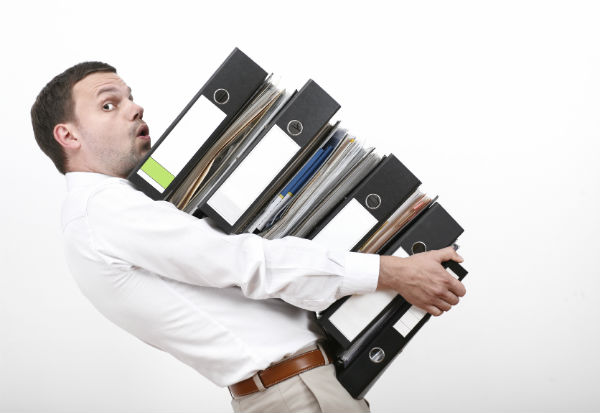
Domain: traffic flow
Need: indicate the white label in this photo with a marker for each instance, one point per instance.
(347, 227)
(409, 320)
(187, 137)
(253, 174)
(358, 311)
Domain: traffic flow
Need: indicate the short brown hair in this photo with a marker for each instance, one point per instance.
(55, 105)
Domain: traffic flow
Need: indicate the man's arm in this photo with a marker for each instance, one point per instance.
(128, 228)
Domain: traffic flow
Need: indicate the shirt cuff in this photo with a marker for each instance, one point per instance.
(361, 274)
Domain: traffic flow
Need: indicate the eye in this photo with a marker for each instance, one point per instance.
(108, 106)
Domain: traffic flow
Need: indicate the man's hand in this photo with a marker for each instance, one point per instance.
(422, 280)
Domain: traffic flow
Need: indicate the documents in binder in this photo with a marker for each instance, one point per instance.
(221, 157)
(201, 122)
(286, 140)
(370, 203)
(277, 205)
(416, 203)
(342, 168)
(256, 157)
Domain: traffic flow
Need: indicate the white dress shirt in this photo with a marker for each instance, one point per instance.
(226, 305)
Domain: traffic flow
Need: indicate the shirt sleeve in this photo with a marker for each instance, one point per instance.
(130, 229)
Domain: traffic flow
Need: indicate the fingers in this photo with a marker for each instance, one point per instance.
(434, 311)
(450, 299)
(440, 306)
(456, 287)
(449, 253)
(442, 303)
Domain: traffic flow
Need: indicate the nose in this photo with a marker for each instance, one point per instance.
(137, 112)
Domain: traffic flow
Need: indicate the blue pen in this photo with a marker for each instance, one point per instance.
(298, 183)
(285, 193)
(299, 180)
(310, 171)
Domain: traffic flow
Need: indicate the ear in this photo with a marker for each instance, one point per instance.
(64, 135)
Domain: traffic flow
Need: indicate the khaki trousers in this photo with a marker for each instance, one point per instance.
(315, 390)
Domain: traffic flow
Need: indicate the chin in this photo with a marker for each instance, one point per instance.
(147, 145)
(140, 152)
(128, 165)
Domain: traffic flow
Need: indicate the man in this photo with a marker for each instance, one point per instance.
(233, 307)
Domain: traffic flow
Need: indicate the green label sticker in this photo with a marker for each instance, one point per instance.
(157, 172)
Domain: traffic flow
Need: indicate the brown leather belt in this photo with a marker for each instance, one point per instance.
(279, 372)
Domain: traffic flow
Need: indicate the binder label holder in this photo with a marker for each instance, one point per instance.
(347, 227)
(193, 130)
(232, 199)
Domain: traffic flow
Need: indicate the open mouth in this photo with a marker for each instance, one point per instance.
(143, 132)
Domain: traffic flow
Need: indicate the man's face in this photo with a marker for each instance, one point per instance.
(109, 125)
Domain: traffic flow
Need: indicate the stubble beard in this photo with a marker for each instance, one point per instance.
(125, 163)
(121, 164)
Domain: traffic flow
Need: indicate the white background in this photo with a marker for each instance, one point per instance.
(493, 105)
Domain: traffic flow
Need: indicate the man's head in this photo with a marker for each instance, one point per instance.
(85, 120)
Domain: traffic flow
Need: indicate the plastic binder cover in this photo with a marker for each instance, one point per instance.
(292, 129)
(200, 122)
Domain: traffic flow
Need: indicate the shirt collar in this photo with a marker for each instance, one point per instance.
(81, 179)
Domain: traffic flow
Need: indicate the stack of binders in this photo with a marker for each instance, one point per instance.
(256, 158)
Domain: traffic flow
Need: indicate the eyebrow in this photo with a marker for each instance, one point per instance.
(107, 89)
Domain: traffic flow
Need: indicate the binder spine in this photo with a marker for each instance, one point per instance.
(307, 113)
(294, 127)
(363, 358)
(379, 194)
(215, 104)
(366, 348)
(384, 345)
(433, 229)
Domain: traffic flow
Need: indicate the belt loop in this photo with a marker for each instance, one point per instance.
(320, 347)
(258, 382)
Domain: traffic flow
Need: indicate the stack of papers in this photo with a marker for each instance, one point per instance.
(222, 156)
(324, 179)
(405, 213)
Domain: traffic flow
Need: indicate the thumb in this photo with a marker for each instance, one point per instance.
(449, 253)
